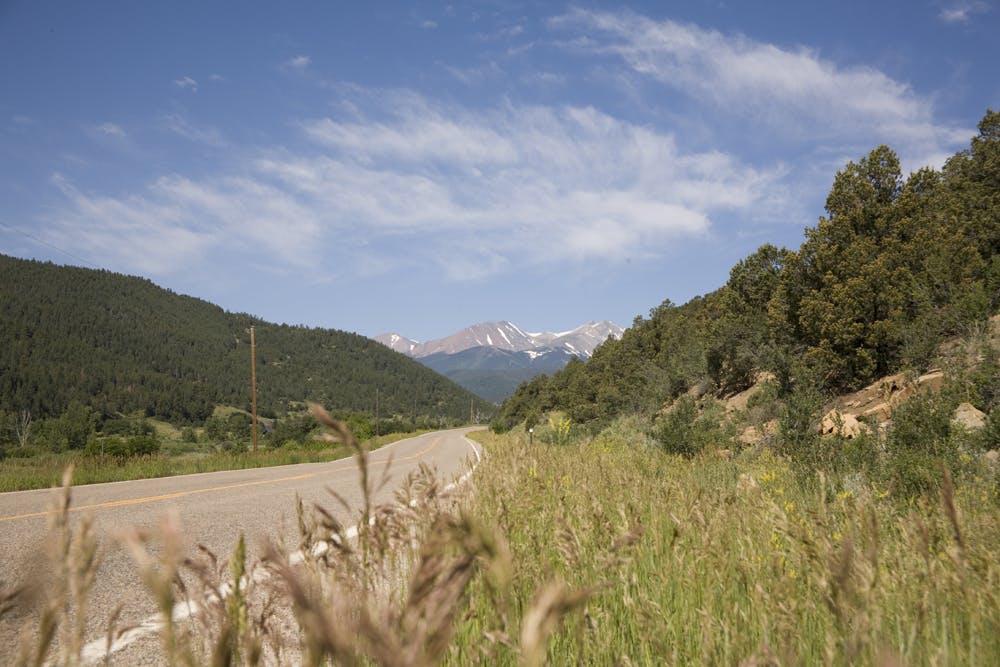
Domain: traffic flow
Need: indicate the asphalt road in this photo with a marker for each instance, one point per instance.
(214, 508)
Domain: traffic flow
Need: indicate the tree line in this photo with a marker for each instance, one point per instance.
(74, 338)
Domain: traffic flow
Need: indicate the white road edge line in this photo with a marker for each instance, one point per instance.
(97, 650)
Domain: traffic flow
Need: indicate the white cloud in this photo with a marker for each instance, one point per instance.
(962, 11)
(187, 83)
(135, 231)
(110, 130)
(792, 91)
(423, 136)
(471, 192)
(536, 184)
(180, 126)
(298, 62)
(175, 222)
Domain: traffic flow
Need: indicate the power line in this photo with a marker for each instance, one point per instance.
(49, 245)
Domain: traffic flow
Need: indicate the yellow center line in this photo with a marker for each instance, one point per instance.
(180, 494)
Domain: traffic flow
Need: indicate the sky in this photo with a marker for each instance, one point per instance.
(417, 167)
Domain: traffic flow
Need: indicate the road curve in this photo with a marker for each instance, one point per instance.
(214, 508)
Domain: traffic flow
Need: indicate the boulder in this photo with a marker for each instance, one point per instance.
(749, 436)
(931, 381)
(753, 435)
(844, 424)
(992, 458)
(967, 416)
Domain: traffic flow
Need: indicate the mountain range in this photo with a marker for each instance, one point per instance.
(492, 359)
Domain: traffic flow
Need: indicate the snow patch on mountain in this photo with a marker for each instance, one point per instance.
(507, 336)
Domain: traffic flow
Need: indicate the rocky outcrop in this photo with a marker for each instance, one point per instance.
(753, 435)
(741, 400)
(845, 425)
(968, 417)
(872, 406)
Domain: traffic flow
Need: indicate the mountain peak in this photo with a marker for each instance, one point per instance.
(398, 343)
(507, 336)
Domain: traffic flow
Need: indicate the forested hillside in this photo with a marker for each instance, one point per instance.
(121, 344)
(894, 268)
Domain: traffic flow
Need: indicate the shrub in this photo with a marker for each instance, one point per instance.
(624, 432)
(682, 431)
(919, 444)
(797, 436)
(118, 447)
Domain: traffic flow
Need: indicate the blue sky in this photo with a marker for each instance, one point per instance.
(419, 167)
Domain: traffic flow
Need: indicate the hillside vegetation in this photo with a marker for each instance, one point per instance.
(98, 367)
(894, 268)
(84, 350)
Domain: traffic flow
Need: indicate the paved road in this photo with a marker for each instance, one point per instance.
(214, 508)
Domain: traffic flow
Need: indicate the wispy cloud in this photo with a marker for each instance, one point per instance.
(795, 91)
(187, 83)
(397, 178)
(175, 222)
(962, 11)
(135, 232)
(180, 126)
(472, 192)
(110, 130)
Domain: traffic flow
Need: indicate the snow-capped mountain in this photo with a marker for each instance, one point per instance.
(493, 358)
(581, 341)
(507, 336)
(398, 343)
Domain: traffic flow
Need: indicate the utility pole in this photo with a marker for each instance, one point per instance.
(253, 389)
(471, 419)
(376, 413)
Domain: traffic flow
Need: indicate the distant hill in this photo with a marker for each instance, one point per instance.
(121, 344)
(492, 358)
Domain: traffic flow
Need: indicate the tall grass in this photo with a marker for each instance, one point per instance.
(596, 552)
(709, 561)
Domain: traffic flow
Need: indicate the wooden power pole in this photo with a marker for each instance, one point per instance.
(253, 390)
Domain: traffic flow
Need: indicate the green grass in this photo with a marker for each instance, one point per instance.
(44, 471)
(707, 561)
(176, 458)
